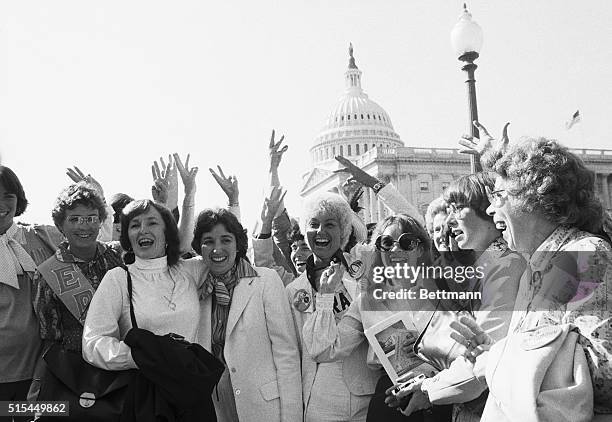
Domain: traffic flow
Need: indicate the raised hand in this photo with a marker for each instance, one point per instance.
(467, 332)
(188, 175)
(356, 173)
(276, 152)
(76, 175)
(270, 207)
(331, 278)
(165, 182)
(229, 185)
(478, 147)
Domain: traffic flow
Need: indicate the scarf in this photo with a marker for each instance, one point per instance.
(222, 287)
(311, 270)
(14, 259)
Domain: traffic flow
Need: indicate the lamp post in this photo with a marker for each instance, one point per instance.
(466, 38)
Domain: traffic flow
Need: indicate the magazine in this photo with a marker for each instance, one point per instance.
(392, 340)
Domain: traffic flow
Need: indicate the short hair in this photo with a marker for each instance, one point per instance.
(471, 190)
(336, 206)
(139, 207)
(118, 202)
(547, 178)
(211, 217)
(74, 195)
(406, 224)
(295, 235)
(12, 185)
(435, 207)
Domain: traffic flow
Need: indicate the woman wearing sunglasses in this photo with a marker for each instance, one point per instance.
(484, 249)
(397, 240)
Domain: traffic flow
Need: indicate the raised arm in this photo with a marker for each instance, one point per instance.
(487, 149)
(187, 223)
(387, 193)
(165, 185)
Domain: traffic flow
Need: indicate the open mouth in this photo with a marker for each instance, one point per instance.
(500, 225)
(84, 235)
(218, 259)
(299, 265)
(145, 243)
(321, 242)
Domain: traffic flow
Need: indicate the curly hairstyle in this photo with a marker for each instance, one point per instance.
(74, 195)
(295, 235)
(471, 190)
(406, 224)
(11, 184)
(136, 208)
(209, 218)
(547, 178)
(435, 207)
(331, 204)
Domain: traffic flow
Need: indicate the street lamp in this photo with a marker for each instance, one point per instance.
(466, 38)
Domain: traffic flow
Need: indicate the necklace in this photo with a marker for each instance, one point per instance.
(170, 299)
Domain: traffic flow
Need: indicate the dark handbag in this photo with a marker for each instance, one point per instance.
(93, 394)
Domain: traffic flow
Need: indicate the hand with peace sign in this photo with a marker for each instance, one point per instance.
(229, 185)
(188, 175)
(76, 175)
(486, 143)
(275, 152)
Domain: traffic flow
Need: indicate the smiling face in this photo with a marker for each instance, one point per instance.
(323, 235)
(472, 231)
(299, 254)
(439, 231)
(397, 255)
(81, 235)
(8, 207)
(146, 233)
(218, 249)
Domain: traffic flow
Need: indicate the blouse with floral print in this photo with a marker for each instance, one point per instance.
(581, 294)
(56, 322)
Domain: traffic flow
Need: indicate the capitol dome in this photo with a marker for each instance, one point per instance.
(355, 125)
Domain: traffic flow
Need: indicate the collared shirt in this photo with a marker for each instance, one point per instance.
(56, 322)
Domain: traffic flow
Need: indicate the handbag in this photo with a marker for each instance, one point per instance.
(539, 375)
(93, 394)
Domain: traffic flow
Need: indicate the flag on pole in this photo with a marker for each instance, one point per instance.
(575, 119)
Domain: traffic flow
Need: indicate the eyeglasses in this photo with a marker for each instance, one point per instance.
(406, 242)
(78, 219)
(497, 196)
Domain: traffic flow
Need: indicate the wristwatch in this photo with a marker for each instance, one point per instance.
(378, 186)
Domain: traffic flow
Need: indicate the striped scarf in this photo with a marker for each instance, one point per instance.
(222, 286)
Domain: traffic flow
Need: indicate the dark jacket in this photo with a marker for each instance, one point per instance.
(175, 380)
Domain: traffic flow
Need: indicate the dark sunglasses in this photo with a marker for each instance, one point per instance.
(406, 242)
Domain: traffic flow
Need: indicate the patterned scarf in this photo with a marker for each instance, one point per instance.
(222, 286)
(14, 260)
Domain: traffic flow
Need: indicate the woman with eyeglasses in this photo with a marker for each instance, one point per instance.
(484, 250)
(545, 205)
(397, 240)
(81, 260)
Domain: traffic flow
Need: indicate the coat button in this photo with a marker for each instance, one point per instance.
(238, 392)
(233, 369)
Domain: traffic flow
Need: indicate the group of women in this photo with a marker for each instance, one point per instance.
(289, 323)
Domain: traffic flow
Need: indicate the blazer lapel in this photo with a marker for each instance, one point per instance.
(242, 294)
(205, 329)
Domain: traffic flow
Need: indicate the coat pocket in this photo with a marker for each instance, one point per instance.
(269, 391)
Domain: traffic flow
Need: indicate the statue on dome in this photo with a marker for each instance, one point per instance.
(352, 64)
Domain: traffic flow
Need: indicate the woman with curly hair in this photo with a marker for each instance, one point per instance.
(544, 203)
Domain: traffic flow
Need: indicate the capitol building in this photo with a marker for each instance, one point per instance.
(361, 130)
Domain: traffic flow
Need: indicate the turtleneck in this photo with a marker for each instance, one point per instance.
(152, 264)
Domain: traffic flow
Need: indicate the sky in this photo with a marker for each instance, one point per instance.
(111, 86)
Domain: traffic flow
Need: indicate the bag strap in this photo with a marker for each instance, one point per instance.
(129, 286)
